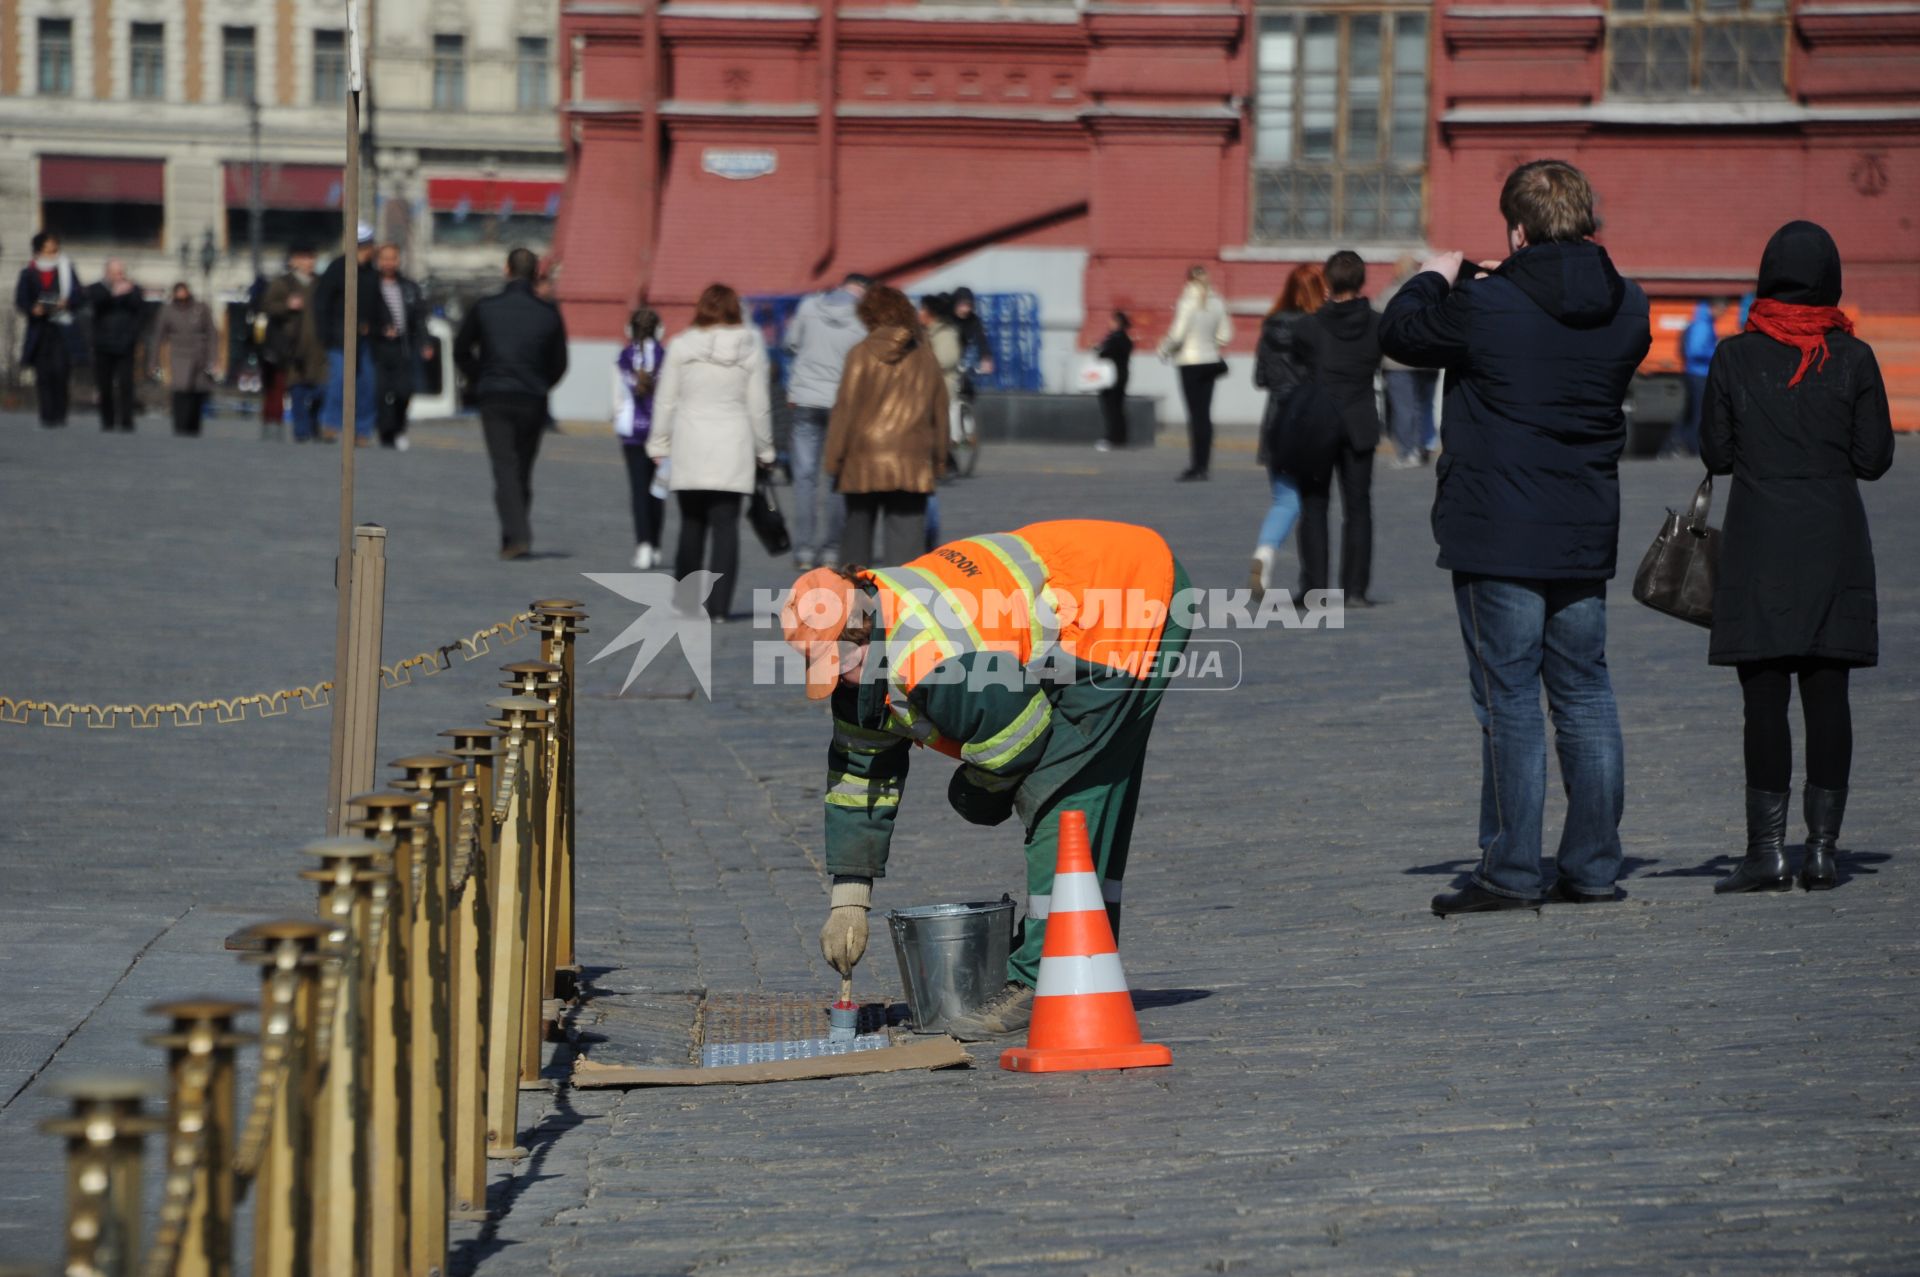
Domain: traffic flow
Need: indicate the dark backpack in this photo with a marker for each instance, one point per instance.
(1302, 434)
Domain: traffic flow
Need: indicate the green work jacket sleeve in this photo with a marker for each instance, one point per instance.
(982, 702)
(866, 772)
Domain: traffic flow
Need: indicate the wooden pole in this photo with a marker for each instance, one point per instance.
(339, 787)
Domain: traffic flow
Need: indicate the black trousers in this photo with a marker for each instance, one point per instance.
(710, 519)
(189, 406)
(393, 384)
(1113, 413)
(1767, 689)
(1196, 388)
(900, 517)
(113, 382)
(649, 511)
(1353, 470)
(512, 425)
(52, 366)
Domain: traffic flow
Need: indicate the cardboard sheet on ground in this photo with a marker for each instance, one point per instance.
(934, 1053)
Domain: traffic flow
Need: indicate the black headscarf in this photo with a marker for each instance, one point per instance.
(1801, 266)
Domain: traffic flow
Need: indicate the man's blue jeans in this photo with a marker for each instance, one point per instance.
(1520, 635)
(303, 405)
(333, 412)
(1410, 409)
(816, 534)
(1282, 514)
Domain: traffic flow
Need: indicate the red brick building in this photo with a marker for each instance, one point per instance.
(1092, 152)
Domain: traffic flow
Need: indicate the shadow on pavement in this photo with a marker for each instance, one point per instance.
(1153, 999)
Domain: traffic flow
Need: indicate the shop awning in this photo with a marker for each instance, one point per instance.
(487, 196)
(92, 179)
(293, 186)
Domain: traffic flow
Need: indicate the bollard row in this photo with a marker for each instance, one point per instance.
(396, 1029)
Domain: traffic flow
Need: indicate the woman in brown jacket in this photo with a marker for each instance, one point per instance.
(187, 331)
(887, 437)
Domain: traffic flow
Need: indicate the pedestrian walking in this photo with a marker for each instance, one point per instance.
(1539, 351)
(47, 293)
(294, 357)
(119, 314)
(329, 302)
(971, 670)
(713, 425)
(1277, 369)
(976, 342)
(399, 345)
(824, 328)
(887, 441)
(950, 353)
(1196, 343)
(1117, 349)
(1409, 393)
(1797, 413)
(512, 348)
(186, 332)
(1697, 344)
(1339, 348)
(636, 371)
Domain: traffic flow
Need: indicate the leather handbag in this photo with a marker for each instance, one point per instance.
(1678, 573)
(763, 513)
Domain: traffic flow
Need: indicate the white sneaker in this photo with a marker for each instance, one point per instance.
(402, 443)
(643, 556)
(1103, 446)
(1260, 571)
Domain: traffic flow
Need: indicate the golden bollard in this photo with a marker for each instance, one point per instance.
(389, 820)
(536, 1016)
(471, 876)
(542, 679)
(345, 879)
(106, 1132)
(197, 1208)
(508, 957)
(428, 777)
(559, 621)
(276, 1148)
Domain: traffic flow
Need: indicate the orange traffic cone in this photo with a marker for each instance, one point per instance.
(1082, 1013)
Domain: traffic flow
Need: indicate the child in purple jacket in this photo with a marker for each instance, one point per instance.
(633, 378)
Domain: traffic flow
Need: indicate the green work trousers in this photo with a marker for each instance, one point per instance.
(1095, 757)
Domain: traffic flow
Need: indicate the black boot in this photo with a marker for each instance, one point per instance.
(1764, 868)
(1824, 808)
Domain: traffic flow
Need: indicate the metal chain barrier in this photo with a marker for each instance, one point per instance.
(265, 704)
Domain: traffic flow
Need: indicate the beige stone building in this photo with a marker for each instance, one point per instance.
(128, 127)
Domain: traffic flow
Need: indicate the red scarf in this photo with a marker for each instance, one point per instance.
(1803, 327)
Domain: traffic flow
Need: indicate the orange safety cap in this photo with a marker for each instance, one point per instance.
(812, 619)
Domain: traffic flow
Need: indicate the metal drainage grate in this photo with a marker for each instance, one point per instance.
(761, 1028)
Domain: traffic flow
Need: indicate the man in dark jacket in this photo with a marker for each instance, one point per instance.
(399, 344)
(1539, 351)
(119, 313)
(512, 346)
(329, 308)
(1339, 351)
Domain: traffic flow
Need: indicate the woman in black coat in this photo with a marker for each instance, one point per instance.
(1797, 413)
(1117, 349)
(1277, 370)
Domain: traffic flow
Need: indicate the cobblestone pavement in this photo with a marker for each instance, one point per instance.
(1675, 1083)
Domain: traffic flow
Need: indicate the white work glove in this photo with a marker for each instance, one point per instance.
(844, 939)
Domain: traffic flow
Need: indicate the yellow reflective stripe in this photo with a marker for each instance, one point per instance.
(863, 800)
(1019, 559)
(904, 721)
(1007, 744)
(896, 579)
(844, 789)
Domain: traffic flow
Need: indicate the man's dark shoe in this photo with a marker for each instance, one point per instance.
(1473, 898)
(1824, 809)
(1764, 867)
(514, 551)
(1007, 1015)
(1189, 475)
(1561, 894)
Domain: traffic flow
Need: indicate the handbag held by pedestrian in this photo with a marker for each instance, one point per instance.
(763, 513)
(1678, 573)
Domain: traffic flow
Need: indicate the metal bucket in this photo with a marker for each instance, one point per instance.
(953, 958)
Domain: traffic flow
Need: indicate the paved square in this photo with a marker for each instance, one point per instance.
(1675, 1083)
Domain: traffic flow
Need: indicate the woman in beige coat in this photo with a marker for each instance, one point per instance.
(712, 424)
(187, 332)
(887, 437)
(1197, 344)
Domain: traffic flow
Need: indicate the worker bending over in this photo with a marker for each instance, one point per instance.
(1037, 659)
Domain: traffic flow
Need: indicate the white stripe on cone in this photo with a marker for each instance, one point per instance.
(1076, 893)
(1068, 977)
